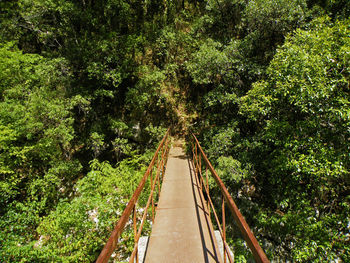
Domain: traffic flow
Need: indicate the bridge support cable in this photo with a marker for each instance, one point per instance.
(198, 154)
(158, 163)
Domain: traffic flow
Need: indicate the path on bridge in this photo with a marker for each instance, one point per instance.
(182, 231)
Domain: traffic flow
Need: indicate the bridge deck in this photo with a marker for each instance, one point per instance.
(182, 230)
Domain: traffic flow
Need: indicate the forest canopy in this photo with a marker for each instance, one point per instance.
(89, 87)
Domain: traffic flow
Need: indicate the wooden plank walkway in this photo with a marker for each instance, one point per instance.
(182, 231)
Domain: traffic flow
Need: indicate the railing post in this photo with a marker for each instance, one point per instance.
(200, 171)
(158, 181)
(193, 159)
(207, 181)
(151, 177)
(196, 153)
(135, 231)
(200, 163)
(223, 227)
(152, 201)
(165, 158)
(152, 209)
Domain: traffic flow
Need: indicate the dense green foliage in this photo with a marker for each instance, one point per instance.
(302, 115)
(87, 89)
(68, 75)
(275, 121)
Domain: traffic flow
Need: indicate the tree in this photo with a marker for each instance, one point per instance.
(303, 113)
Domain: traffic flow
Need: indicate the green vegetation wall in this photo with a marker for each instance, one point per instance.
(273, 116)
(75, 134)
(87, 89)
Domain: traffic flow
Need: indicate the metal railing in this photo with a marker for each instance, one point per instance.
(159, 163)
(253, 244)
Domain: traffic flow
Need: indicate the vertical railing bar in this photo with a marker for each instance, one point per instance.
(223, 226)
(166, 158)
(201, 178)
(200, 163)
(206, 176)
(164, 154)
(200, 170)
(230, 259)
(163, 161)
(135, 232)
(196, 151)
(207, 188)
(196, 164)
(194, 158)
(158, 182)
(152, 208)
(159, 168)
(151, 176)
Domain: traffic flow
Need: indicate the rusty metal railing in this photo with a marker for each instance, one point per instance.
(253, 244)
(159, 163)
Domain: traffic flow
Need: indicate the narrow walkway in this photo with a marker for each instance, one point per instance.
(182, 230)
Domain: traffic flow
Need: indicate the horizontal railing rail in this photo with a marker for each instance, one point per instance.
(159, 159)
(253, 244)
